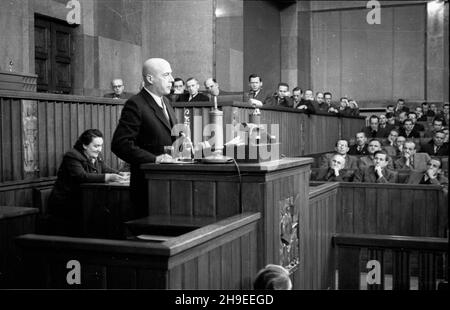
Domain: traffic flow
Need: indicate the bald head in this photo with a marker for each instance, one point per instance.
(157, 75)
(212, 86)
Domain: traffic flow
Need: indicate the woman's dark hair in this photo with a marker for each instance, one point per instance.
(86, 138)
(272, 277)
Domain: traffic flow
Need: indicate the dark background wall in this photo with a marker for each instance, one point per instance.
(262, 43)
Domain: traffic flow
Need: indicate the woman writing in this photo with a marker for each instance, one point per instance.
(82, 164)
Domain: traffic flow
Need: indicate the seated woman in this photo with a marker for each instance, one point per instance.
(82, 164)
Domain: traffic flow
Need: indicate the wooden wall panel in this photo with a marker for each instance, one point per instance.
(364, 61)
(394, 209)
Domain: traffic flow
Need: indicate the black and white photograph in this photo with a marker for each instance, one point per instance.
(209, 152)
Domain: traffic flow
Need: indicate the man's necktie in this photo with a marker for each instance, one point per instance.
(164, 108)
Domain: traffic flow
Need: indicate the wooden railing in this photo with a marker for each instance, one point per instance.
(431, 254)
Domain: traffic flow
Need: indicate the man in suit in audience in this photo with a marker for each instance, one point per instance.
(373, 147)
(426, 110)
(413, 117)
(212, 87)
(144, 128)
(307, 103)
(390, 109)
(420, 116)
(373, 130)
(400, 119)
(432, 175)
(341, 148)
(408, 131)
(335, 172)
(256, 91)
(377, 172)
(391, 121)
(178, 89)
(193, 94)
(360, 147)
(390, 145)
(118, 90)
(297, 96)
(437, 126)
(410, 159)
(281, 98)
(384, 125)
(401, 107)
(446, 114)
(319, 104)
(437, 146)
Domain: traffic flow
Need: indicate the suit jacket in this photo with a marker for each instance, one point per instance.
(366, 161)
(380, 133)
(123, 95)
(64, 204)
(419, 162)
(350, 161)
(368, 175)
(309, 106)
(412, 134)
(327, 174)
(259, 96)
(387, 129)
(321, 107)
(429, 148)
(273, 101)
(198, 98)
(417, 177)
(391, 150)
(354, 150)
(140, 136)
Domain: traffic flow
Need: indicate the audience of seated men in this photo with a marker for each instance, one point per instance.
(408, 130)
(280, 98)
(193, 94)
(336, 171)
(306, 103)
(342, 149)
(360, 147)
(432, 175)
(373, 147)
(410, 159)
(378, 171)
(416, 126)
(437, 146)
(437, 126)
(373, 130)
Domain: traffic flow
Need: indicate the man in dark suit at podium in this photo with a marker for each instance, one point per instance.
(256, 92)
(144, 128)
(118, 90)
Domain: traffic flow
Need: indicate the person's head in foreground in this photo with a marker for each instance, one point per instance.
(272, 277)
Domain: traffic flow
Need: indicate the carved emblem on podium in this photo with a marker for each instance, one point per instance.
(289, 234)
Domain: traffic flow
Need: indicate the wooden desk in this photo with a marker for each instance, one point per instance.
(218, 190)
(14, 221)
(106, 206)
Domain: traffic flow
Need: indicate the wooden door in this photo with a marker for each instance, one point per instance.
(53, 56)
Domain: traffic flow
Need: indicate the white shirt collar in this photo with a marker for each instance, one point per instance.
(157, 98)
